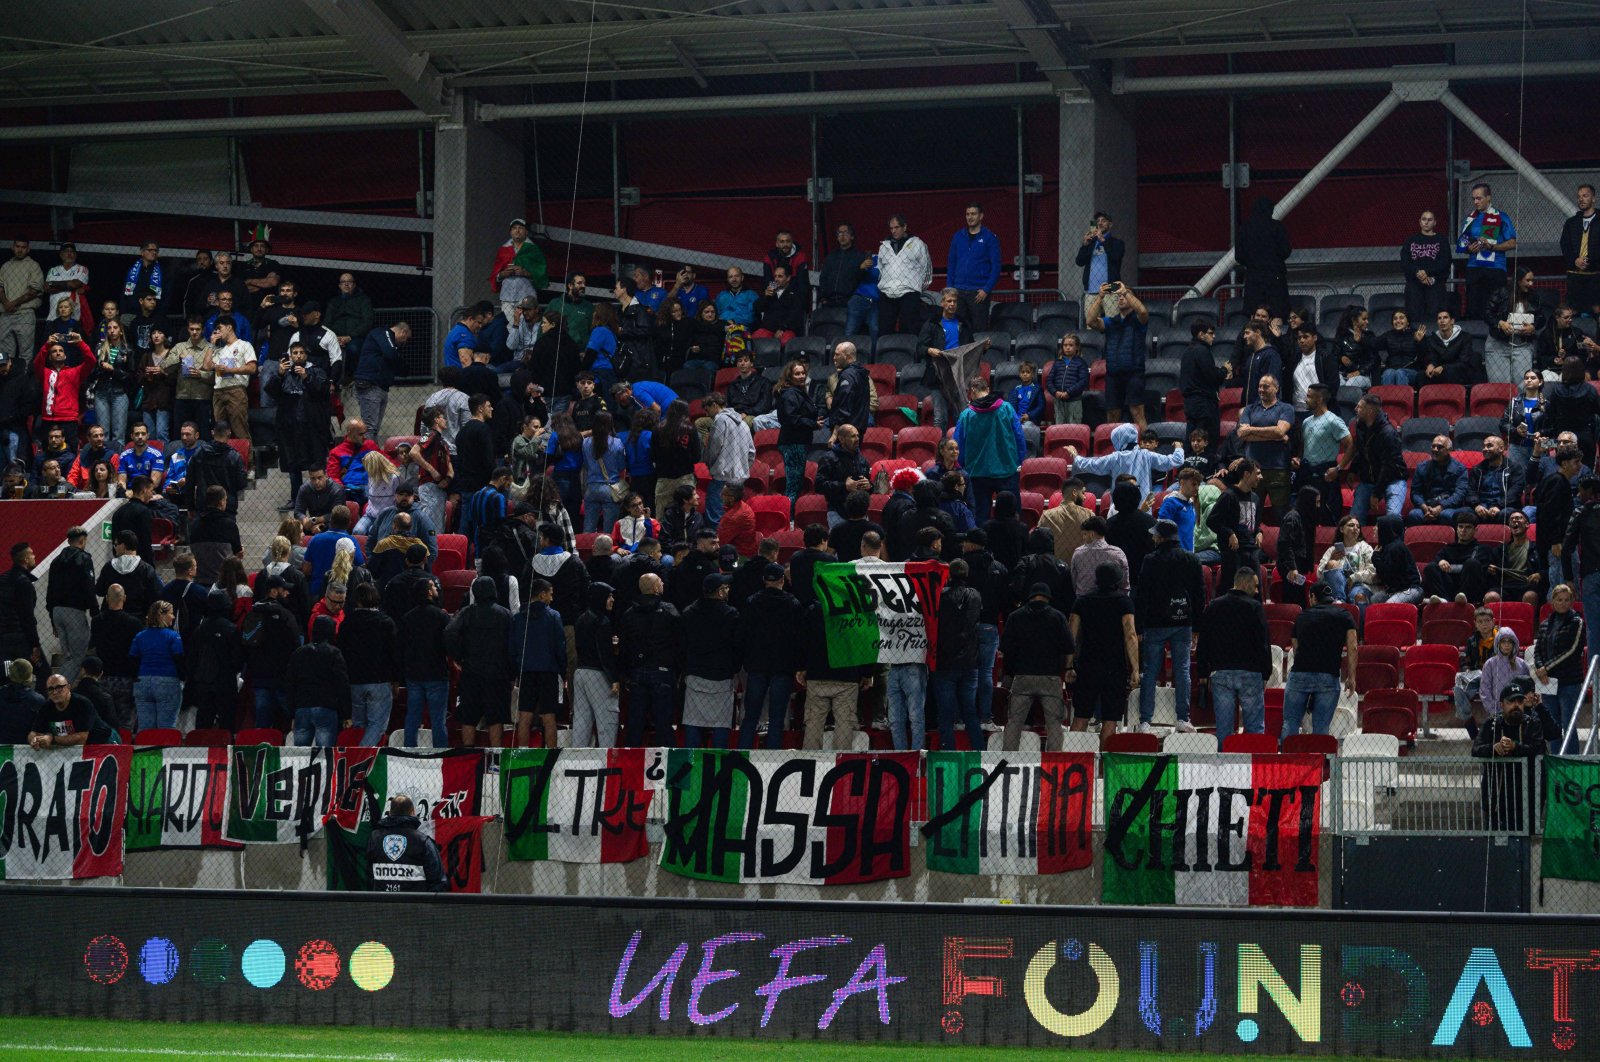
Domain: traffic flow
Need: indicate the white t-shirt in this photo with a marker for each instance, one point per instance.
(235, 355)
(61, 274)
(1305, 374)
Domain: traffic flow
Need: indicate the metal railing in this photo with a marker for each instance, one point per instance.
(427, 337)
(1588, 693)
(1429, 796)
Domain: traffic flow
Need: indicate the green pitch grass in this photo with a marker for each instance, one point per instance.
(60, 1038)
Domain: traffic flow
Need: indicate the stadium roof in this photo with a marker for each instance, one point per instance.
(95, 51)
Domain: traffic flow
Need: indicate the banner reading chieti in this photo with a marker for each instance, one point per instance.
(1571, 819)
(884, 613)
(997, 813)
(1232, 830)
(807, 818)
(575, 805)
(178, 798)
(62, 811)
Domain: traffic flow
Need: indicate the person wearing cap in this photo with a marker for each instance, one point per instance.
(1510, 739)
(322, 345)
(713, 643)
(1324, 646)
(20, 704)
(259, 273)
(1234, 656)
(771, 619)
(271, 634)
(1168, 600)
(1035, 647)
(519, 269)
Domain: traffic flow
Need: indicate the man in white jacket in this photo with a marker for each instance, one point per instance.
(728, 453)
(905, 269)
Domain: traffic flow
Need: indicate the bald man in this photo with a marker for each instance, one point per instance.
(651, 641)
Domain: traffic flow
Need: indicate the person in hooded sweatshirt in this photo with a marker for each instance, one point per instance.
(1129, 528)
(1008, 535)
(1035, 647)
(597, 678)
(989, 433)
(772, 655)
(568, 579)
(1500, 669)
(1169, 598)
(898, 504)
(1133, 453)
(538, 648)
(318, 687)
(477, 640)
(713, 642)
(370, 642)
(1396, 568)
(1039, 564)
(927, 513)
(137, 578)
(650, 650)
(216, 657)
(426, 663)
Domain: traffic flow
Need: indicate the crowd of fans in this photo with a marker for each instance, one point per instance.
(608, 466)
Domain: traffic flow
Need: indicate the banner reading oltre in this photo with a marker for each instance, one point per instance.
(808, 818)
(62, 811)
(880, 613)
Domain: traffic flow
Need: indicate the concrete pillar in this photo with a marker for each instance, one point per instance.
(1096, 171)
(479, 186)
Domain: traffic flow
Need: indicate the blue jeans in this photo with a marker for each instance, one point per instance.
(1312, 690)
(571, 496)
(321, 723)
(956, 693)
(988, 646)
(767, 693)
(1566, 707)
(714, 502)
(907, 694)
(652, 693)
(13, 447)
(1157, 642)
(794, 471)
(156, 700)
(370, 704)
(1398, 378)
(111, 413)
(433, 696)
(984, 490)
(694, 736)
(1590, 592)
(1394, 500)
(860, 311)
(159, 422)
(272, 706)
(599, 511)
(1235, 694)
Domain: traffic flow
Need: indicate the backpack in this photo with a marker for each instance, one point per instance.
(208, 650)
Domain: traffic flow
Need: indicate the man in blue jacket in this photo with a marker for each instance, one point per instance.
(375, 372)
(1438, 486)
(989, 433)
(973, 268)
(1127, 331)
(538, 647)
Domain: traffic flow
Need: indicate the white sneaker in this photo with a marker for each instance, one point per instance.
(1185, 727)
(1144, 728)
(992, 727)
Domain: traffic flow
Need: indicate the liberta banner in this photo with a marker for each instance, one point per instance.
(804, 818)
(993, 813)
(1227, 831)
(575, 805)
(62, 811)
(178, 798)
(880, 613)
(1571, 819)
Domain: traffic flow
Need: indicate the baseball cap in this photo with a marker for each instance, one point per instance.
(773, 573)
(713, 583)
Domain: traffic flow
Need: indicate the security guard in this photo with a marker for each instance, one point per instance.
(401, 857)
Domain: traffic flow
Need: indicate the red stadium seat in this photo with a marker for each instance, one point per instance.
(163, 536)
(723, 378)
(1272, 710)
(1305, 744)
(891, 412)
(1058, 436)
(1386, 719)
(1369, 653)
(917, 444)
(1430, 652)
(1446, 631)
(449, 560)
(1426, 540)
(1032, 506)
(1102, 439)
(1442, 400)
(1490, 399)
(1254, 744)
(767, 447)
(1447, 610)
(771, 512)
(242, 448)
(791, 540)
(259, 735)
(1433, 681)
(875, 506)
(1493, 534)
(1277, 610)
(1131, 741)
(810, 509)
(1397, 633)
(214, 737)
(583, 543)
(877, 443)
(1370, 676)
(883, 379)
(1280, 632)
(454, 587)
(1230, 400)
(1043, 474)
(1399, 401)
(460, 543)
(1518, 615)
(1390, 610)
(159, 737)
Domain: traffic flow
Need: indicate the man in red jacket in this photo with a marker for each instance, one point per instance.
(344, 460)
(738, 525)
(61, 399)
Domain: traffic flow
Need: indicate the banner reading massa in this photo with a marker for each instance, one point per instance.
(880, 613)
(807, 818)
(62, 811)
(1227, 831)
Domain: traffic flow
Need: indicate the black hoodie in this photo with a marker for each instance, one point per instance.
(370, 642)
(771, 617)
(1129, 530)
(1036, 640)
(650, 636)
(215, 649)
(926, 514)
(479, 637)
(1008, 535)
(1041, 565)
(316, 676)
(712, 640)
(1396, 567)
(424, 654)
(594, 635)
(1171, 591)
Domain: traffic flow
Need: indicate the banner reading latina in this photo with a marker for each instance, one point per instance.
(880, 613)
(62, 811)
(806, 818)
(1226, 831)
(996, 813)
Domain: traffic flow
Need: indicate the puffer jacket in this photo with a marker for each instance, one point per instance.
(478, 636)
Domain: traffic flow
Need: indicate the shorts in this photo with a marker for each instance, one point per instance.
(1101, 700)
(1124, 389)
(483, 701)
(540, 693)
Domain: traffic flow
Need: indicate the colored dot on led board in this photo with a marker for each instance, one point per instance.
(263, 963)
(210, 960)
(1248, 1030)
(106, 959)
(317, 965)
(372, 966)
(158, 961)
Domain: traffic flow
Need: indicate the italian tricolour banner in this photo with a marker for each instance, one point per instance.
(446, 789)
(1571, 819)
(575, 805)
(998, 813)
(811, 818)
(278, 795)
(879, 612)
(178, 798)
(1232, 830)
(62, 811)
